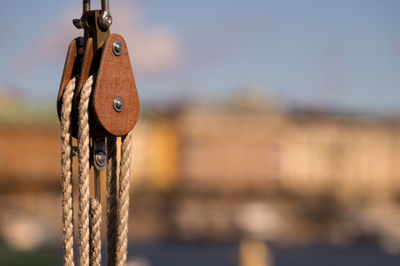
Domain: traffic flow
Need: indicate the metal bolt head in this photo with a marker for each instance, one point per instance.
(100, 159)
(118, 48)
(105, 20)
(118, 104)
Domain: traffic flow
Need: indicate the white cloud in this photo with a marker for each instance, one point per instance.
(153, 49)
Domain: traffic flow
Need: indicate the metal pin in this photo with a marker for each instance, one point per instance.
(105, 18)
(86, 6)
(105, 6)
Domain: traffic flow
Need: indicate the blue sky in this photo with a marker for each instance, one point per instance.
(341, 55)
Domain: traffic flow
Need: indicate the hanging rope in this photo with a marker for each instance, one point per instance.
(89, 224)
(123, 201)
(95, 235)
(111, 184)
(66, 174)
(83, 173)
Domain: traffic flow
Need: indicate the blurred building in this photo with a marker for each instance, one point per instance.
(221, 172)
(220, 149)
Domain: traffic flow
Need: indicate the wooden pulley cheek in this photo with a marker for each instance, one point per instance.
(72, 68)
(115, 101)
(85, 71)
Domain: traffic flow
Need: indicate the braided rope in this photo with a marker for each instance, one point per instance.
(66, 174)
(111, 184)
(83, 173)
(89, 242)
(123, 202)
(95, 237)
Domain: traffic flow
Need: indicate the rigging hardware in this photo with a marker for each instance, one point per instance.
(97, 103)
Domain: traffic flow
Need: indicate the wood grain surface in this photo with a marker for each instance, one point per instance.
(85, 70)
(115, 79)
(67, 73)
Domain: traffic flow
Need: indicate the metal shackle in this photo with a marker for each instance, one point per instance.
(105, 18)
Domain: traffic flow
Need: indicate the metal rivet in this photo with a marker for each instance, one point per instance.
(118, 48)
(100, 159)
(118, 104)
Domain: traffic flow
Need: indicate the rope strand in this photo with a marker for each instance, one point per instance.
(123, 201)
(111, 200)
(66, 174)
(95, 239)
(83, 173)
(89, 241)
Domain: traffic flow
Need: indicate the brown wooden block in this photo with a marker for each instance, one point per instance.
(115, 79)
(72, 68)
(85, 70)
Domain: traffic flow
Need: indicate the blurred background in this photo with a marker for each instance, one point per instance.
(269, 132)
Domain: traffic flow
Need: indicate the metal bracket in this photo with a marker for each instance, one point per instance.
(99, 154)
(99, 162)
(96, 23)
